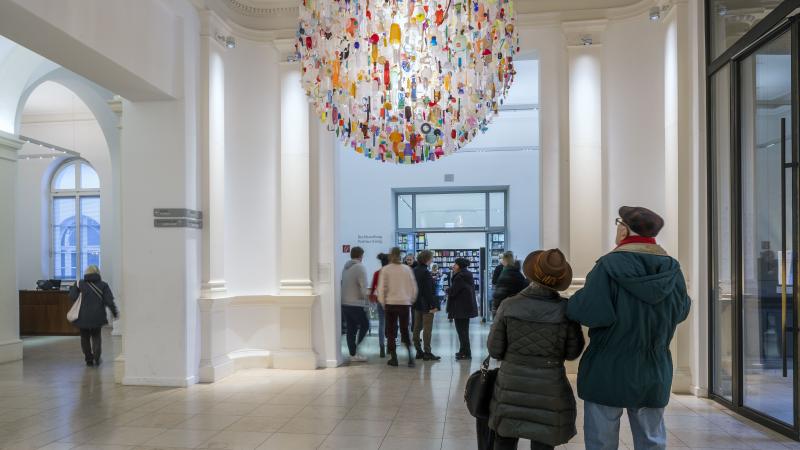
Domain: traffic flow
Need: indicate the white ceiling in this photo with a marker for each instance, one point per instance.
(53, 98)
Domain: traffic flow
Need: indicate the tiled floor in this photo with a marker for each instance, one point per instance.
(52, 401)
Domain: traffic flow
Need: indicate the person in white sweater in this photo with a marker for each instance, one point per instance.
(397, 292)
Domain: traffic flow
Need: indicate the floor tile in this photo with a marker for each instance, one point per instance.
(187, 438)
(338, 442)
(284, 441)
(407, 443)
(236, 440)
(309, 426)
(372, 428)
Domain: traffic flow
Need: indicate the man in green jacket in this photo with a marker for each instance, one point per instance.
(633, 301)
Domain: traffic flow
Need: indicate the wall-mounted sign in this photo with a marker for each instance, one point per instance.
(178, 212)
(177, 218)
(370, 239)
(178, 223)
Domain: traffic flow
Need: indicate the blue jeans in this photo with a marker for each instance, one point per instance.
(381, 326)
(601, 427)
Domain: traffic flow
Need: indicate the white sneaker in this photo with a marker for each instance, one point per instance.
(358, 358)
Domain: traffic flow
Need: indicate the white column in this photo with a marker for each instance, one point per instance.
(683, 185)
(296, 288)
(214, 361)
(295, 265)
(327, 318)
(586, 185)
(10, 344)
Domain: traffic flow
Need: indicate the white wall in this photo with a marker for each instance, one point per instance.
(366, 205)
(79, 132)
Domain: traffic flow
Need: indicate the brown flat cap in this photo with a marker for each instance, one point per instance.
(641, 221)
(548, 268)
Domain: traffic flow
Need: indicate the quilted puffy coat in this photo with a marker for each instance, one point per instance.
(532, 337)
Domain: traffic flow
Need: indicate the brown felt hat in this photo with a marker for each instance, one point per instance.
(641, 221)
(548, 268)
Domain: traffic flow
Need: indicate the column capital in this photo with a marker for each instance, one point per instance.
(581, 33)
(9, 146)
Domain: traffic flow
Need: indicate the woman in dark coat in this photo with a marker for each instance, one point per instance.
(510, 282)
(532, 337)
(461, 304)
(96, 297)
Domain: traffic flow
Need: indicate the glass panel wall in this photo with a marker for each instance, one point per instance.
(722, 286)
(405, 211)
(731, 19)
(466, 210)
(766, 114)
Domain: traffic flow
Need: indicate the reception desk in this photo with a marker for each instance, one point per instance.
(44, 313)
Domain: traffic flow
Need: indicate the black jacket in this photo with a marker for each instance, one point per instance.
(496, 273)
(510, 283)
(93, 306)
(426, 290)
(461, 302)
(532, 396)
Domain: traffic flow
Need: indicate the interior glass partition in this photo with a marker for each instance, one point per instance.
(752, 89)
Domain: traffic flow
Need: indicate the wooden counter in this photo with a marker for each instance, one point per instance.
(44, 313)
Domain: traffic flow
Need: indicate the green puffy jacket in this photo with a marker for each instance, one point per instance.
(632, 302)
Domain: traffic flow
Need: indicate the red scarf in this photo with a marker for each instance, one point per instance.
(637, 240)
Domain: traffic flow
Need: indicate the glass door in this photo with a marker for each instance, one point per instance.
(767, 226)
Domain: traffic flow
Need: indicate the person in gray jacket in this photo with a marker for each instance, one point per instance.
(355, 299)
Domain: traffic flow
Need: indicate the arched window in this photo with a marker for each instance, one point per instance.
(74, 219)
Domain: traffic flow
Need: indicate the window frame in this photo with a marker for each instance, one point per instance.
(77, 194)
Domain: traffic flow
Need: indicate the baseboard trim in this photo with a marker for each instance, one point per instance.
(10, 351)
(160, 381)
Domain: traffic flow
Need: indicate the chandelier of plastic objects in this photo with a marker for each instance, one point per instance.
(407, 81)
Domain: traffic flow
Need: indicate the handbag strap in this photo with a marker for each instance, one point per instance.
(95, 289)
(485, 365)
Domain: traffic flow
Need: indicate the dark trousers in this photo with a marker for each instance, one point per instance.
(395, 314)
(504, 443)
(462, 328)
(91, 343)
(357, 325)
(485, 434)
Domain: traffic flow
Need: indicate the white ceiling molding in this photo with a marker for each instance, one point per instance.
(266, 20)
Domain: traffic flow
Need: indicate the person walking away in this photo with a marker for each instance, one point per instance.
(397, 292)
(96, 296)
(355, 294)
(425, 307)
(633, 300)
(373, 298)
(461, 305)
(532, 337)
(510, 282)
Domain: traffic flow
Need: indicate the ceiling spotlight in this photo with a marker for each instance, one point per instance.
(586, 40)
(227, 41)
(722, 10)
(655, 13)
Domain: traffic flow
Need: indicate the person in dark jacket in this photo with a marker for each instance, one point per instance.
(461, 304)
(633, 300)
(532, 337)
(96, 296)
(510, 282)
(425, 307)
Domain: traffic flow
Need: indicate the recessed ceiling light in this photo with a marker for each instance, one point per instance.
(655, 13)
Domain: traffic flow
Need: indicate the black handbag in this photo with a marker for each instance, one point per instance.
(479, 390)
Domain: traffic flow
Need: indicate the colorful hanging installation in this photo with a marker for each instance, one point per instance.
(407, 81)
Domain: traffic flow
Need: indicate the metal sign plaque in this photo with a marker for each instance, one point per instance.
(178, 223)
(178, 213)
